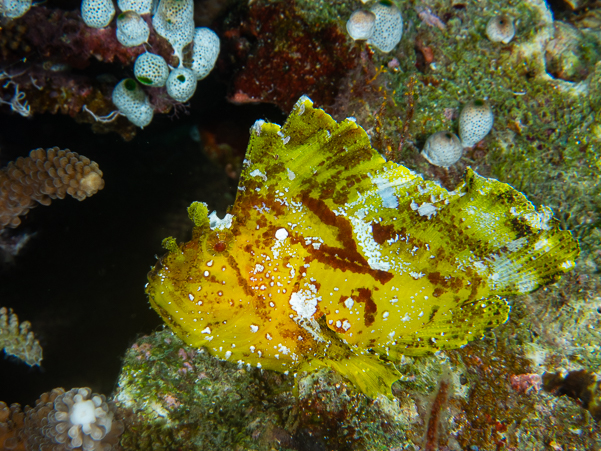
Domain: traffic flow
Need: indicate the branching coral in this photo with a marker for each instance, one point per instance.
(17, 340)
(43, 176)
(11, 423)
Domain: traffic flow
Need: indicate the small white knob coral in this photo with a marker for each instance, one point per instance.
(181, 84)
(132, 30)
(475, 122)
(132, 102)
(97, 13)
(151, 70)
(443, 149)
(82, 419)
(139, 6)
(500, 29)
(388, 27)
(205, 52)
(13, 9)
(361, 24)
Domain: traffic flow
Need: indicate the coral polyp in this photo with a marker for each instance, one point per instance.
(333, 257)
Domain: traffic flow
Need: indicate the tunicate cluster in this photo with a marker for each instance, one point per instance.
(173, 20)
(151, 70)
(97, 13)
(445, 148)
(500, 29)
(132, 102)
(475, 122)
(382, 26)
(132, 30)
(13, 9)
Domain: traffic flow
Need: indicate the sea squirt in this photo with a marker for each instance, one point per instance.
(332, 256)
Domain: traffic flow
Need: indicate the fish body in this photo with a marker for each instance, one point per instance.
(332, 256)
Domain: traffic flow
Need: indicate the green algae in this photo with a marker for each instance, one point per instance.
(176, 397)
(546, 138)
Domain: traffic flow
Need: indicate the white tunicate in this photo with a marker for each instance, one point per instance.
(13, 9)
(174, 20)
(151, 70)
(475, 122)
(361, 25)
(97, 13)
(181, 84)
(132, 29)
(500, 29)
(132, 102)
(205, 52)
(443, 149)
(388, 27)
(139, 6)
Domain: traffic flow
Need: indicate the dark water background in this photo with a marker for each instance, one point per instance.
(80, 280)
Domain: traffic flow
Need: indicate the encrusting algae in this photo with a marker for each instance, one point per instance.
(333, 257)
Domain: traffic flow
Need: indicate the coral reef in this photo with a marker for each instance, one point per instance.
(268, 285)
(178, 397)
(280, 55)
(531, 383)
(17, 340)
(77, 419)
(545, 140)
(42, 176)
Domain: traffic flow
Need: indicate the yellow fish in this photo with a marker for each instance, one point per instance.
(332, 256)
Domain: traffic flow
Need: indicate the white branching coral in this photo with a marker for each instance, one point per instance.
(17, 340)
